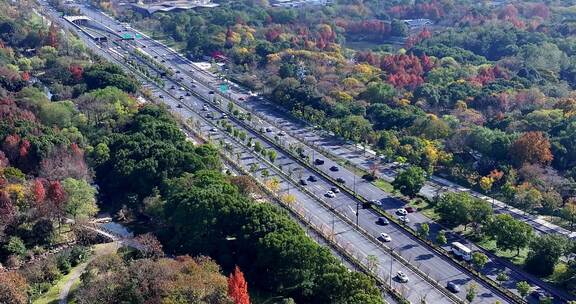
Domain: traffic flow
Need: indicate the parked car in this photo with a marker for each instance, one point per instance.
(402, 212)
(161, 96)
(402, 277)
(179, 106)
(384, 237)
(404, 219)
(410, 209)
(453, 287)
(383, 221)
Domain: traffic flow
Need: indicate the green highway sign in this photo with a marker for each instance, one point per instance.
(223, 88)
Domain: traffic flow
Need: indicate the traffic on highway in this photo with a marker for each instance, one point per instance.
(319, 183)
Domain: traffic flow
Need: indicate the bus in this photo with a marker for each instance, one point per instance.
(461, 251)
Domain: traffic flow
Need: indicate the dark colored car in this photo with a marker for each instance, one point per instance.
(303, 182)
(312, 178)
(172, 87)
(211, 92)
(334, 168)
(188, 94)
(340, 180)
(161, 96)
(179, 106)
(410, 209)
(181, 97)
(453, 287)
(383, 221)
(177, 72)
(319, 161)
(335, 189)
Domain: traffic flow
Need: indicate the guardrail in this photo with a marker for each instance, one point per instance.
(306, 219)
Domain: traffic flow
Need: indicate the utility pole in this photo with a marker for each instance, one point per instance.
(357, 212)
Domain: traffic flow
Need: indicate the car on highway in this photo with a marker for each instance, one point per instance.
(179, 106)
(330, 194)
(281, 134)
(181, 97)
(224, 116)
(210, 92)
(319, 161)
(172, 87)
(382, 221)
(188, 94)
(303, 182)
(312, 178)
(268, 130)
(385, 237)
(404, 219)
(334, 169)
(204, 108)
(214, 130)
(209, 115)
(341, 180)
(402, 277)
(177, 72)
(410, 209)
(241, 99)
(161, 96)
(453, 287)
(401, 211)
(335, 189)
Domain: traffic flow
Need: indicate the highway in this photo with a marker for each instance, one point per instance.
(317, 144)
(422, 257)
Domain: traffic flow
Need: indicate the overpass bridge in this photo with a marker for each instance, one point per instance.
(82, 23)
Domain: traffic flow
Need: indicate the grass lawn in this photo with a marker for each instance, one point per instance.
(384, 186)
(52, 295)
(519, 259)
(425, 208)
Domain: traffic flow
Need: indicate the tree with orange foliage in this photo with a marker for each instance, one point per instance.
(533, 148)
(13, 288)
(238, 288)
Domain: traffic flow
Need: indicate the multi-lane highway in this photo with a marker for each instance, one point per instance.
(190, 78)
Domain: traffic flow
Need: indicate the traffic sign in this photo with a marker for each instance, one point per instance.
(223, 87)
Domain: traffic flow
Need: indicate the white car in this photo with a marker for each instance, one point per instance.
(402, 277)
(384, 237)
(330, 194)
(401, 211)
(404, 219)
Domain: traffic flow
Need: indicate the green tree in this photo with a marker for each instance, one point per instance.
(471, 292)
(502, 277)
(544, 254)
(410, 181)
(272, 155)
(479, 260)
(424, 230)
(80, 198)
(509, 232)
(454, 208)
(441, 238)
(15, 246)
(523, 288)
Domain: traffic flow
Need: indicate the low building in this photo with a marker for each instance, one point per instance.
(150, 8)
(298, 3)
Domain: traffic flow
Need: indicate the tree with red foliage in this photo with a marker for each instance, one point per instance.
(56, 193)
(540, 10)
(25, 76)
(53, 35)
(273, 34)
(238, 288)
(38, 191)
(24, 148)
(11, 146)
(532, 148)
(403, 70)
(77, 71)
